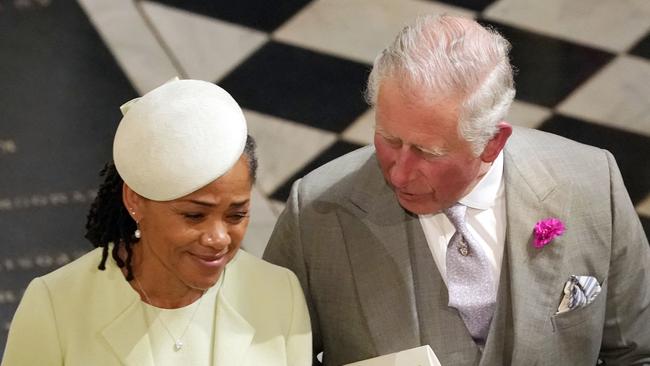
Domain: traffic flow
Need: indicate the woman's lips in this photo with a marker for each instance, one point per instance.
(211, 260)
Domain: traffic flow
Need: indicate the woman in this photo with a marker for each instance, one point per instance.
(167, 284)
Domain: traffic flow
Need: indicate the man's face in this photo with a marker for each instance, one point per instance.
(423, 158)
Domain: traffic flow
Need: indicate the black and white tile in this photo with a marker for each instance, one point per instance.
(642, 48)
(630, 149)
(301, 85)
(356, 30)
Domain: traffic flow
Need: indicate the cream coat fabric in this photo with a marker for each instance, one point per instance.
(79, 315)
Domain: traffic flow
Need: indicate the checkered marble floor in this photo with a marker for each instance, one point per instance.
(298, 69)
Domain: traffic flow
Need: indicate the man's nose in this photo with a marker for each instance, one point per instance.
(403, 167)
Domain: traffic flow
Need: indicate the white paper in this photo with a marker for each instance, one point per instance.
(419, 356)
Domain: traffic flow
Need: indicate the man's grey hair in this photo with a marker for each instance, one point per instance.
(446, 56)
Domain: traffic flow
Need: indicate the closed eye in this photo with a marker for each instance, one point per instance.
(392, 141)
(237, 217)
(194, 216)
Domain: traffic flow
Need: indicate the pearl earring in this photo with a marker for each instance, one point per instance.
(137, 233)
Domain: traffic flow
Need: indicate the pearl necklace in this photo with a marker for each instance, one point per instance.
(178, 342)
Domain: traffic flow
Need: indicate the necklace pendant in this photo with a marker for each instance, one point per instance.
(178, 345)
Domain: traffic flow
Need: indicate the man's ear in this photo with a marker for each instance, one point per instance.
(496, 143)
(133, 202)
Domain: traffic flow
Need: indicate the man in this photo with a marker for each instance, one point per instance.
(428, 237)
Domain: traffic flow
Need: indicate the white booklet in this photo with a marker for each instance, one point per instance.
(419, 356)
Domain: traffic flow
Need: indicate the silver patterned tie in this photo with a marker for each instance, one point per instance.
(471, 287)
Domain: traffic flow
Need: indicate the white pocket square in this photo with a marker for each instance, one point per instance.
(579, 291)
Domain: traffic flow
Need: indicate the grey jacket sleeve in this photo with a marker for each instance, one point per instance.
(286, 249)
(626, 333)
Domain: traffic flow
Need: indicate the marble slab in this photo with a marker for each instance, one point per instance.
(618, 96)
(356, 29)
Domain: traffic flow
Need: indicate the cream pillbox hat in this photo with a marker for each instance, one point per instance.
(178, 138)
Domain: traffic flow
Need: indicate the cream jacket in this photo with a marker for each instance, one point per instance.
(79, 315)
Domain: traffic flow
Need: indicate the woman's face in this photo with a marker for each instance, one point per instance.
(187, 242)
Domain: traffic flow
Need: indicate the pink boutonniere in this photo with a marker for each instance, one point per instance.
(546, 230)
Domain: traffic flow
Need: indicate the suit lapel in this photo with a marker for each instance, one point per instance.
(376, 240)
(128, 337)
(532, 195)
(127, 334)
(233, 334)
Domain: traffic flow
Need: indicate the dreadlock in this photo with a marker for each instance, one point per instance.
(109, 222)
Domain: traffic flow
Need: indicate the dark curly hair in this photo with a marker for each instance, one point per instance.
(109, 221)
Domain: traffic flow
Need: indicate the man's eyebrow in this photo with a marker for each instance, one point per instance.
(437, 151)
(383, 132)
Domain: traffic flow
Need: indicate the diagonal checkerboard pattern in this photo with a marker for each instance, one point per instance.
(298, 68)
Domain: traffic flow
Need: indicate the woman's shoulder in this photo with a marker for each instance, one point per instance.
(81, 264)
(249, 272)
(250, 281)
(82, 278)
(247, 262)
(80, 286)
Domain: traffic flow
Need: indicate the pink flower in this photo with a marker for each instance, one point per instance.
(546, 230)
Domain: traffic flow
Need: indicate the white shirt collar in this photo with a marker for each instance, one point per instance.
(485, 193)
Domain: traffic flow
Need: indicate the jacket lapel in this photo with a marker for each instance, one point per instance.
(536, 284)
(377, 244)
(233, 334)
(128, 337)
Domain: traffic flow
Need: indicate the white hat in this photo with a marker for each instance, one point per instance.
(178, 138)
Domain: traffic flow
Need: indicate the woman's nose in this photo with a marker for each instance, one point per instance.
(217, 236)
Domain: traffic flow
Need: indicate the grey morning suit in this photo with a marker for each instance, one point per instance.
(373, 288)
